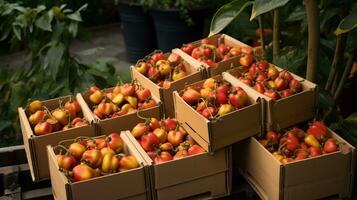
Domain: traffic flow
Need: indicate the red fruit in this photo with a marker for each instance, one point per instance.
(223, 49)
(143, 94)
(286, 93)
(303, 145)
(292, 142)
(247, 50)
(153, 73)
(127, 89)
(210, 63)
(195, 149)
(286, 75)
(209, 112)
(170, 124)
(224, 88)
(280, 83)
(295, 86)
(315, 151)
(285, 161)
(139, 130)
(66, 162)
(82, 172)
(174, 58)
(148, 104)
(156, 57)
(318, 130)
(246, 60)
(261, 77)
(259, 87)
(93, 88)
(175, 137)
(149, 141)
(191, 96)
(167, 146)
(272, 136)
(161, 134)
(330, 146)
(239, 98)
(197, 53)
(272, 94)
(221, 98)
(180, 154)
(188, 48)
(72, 107)
(207, 51)
(246, 81)
(92, 157)
(152, 154)
(301, 154)
(299, 133)
(115, 142)
(163, 157)
(205, 41)
(263, 65)
(76, 149)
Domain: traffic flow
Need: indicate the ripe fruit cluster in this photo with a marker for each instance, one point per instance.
(123, 99)
(165, 140)
(266, 79)
(211, 54)
(87, 158)
(162, 69)
(44, 121)
(296, 144)
(215, 98)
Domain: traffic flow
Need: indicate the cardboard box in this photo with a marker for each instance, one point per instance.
(223, 65)
(225, 130)
(198, 176)
(313, 178)
(131, 184)
(195, 73)
(35, 146)
(123, 122)
(287, 111)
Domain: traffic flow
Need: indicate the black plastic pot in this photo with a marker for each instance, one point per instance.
(138, 30)
(172, 31)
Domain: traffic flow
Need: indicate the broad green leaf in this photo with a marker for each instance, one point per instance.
(53, 59)
(57, 31)
(347, 24)
(73, 29)
(19, 94)
(76, 16)
(264, 6)
(326, 101)
(90, 52)
(44, 22)
(226, 14)
(84, 7)
(298, 14)
(17, 32)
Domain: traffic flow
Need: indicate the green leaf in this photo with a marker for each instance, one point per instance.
(73, 29)
(44, 22)
(53, 59)
(347, 24)
(226, 14)
(264, 6)
(17, 31)
(76, 16)
(297, 15)
(90, 52)
(19, 94)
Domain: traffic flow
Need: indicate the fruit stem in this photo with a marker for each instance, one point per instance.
(141, 117)
(62, 147)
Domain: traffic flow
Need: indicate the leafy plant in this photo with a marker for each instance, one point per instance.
(51, 69)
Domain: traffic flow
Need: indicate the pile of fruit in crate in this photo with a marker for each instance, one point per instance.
(44, 121)
(123, 99)
(162, 68)
(211, 54)
(266, 79)
(215, 98)
(296, 144)
(87, 158)
(165, 140)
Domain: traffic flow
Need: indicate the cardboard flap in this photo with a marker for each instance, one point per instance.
(59, 181)
(87, 113)
(26, 127)
(166, 174)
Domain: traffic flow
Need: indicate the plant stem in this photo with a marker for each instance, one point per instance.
(261, 32)
(276, 32)
(313, 39)
(344, 76)
(340, 46)
(335, 82)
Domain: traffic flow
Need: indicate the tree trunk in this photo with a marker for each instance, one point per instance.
(313, 38)
(276, 32)
(261, 32)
